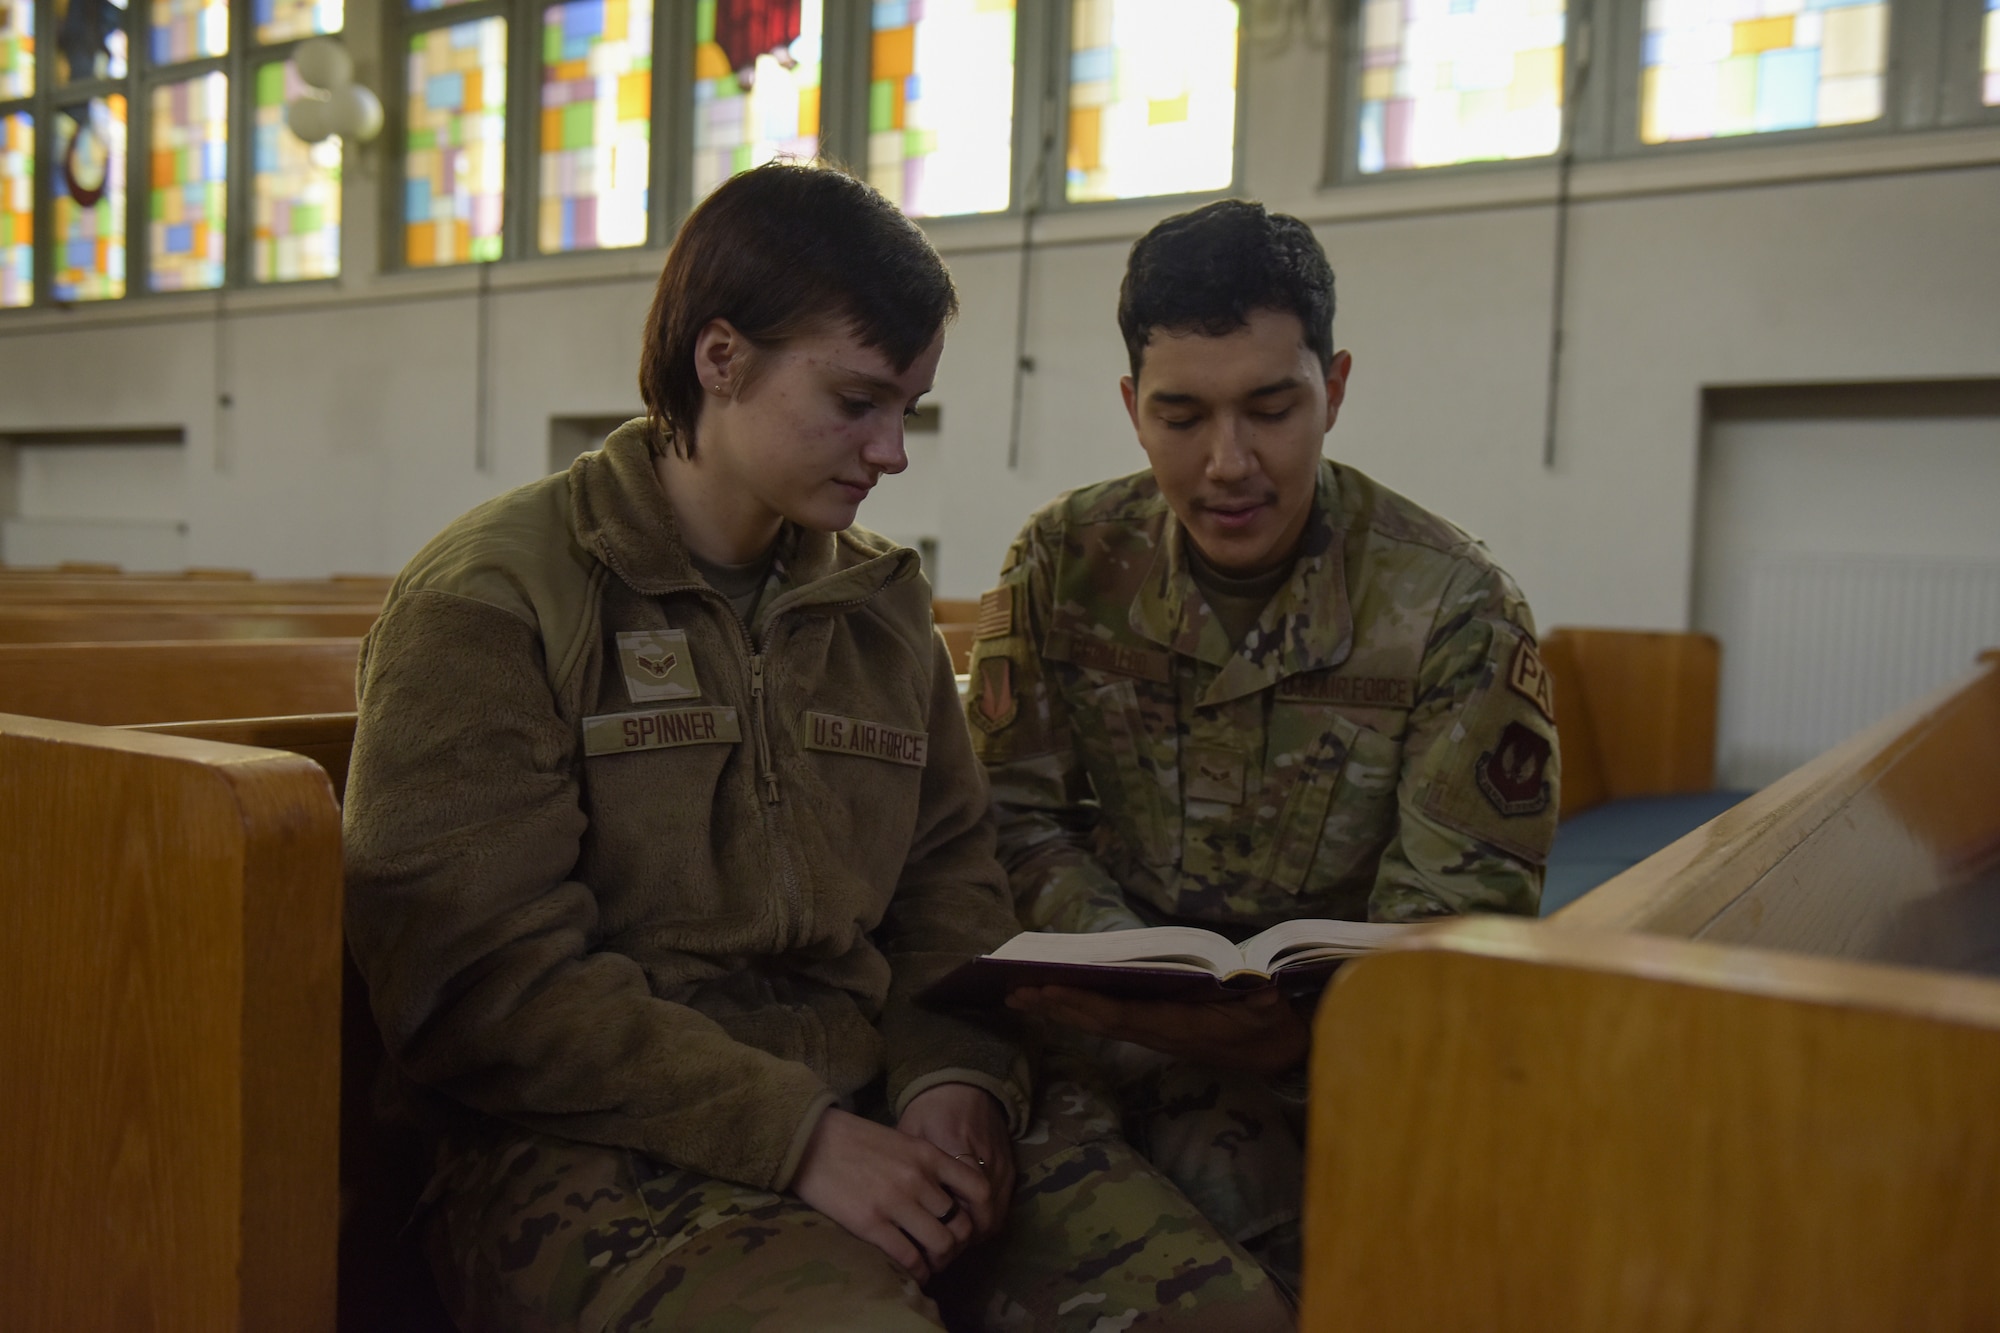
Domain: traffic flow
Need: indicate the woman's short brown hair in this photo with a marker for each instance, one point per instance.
(779, 251)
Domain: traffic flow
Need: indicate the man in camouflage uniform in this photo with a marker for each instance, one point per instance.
(1245, 686)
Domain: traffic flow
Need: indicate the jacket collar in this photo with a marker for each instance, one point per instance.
(622, 517)
(1308, 624)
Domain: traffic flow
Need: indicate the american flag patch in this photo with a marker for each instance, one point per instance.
(996, 613)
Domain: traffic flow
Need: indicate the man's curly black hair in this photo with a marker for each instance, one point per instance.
(1205, 271)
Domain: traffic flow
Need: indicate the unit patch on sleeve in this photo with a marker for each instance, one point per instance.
(1528, 677)
(657, 665)
(996, 613)
(664, 729)
(871, 740)
(993, 701)
(1512, 773)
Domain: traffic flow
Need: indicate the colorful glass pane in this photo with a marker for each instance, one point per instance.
(89, 220)
(1991, 65)
(421, 6)
(1717, 67)
(188, 207)
(296, 191)
(454, 161)
(1152, 97)
(189, 30)
(597, 109)
(940, 70)
(17, 209)
(106, 58)
(17, 48)
(1446, 81)
(281, 20)
(756, 85)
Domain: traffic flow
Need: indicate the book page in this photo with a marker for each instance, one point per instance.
(1302, 941)
(1153, 945)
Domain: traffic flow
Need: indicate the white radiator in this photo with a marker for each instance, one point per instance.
(1816, 647)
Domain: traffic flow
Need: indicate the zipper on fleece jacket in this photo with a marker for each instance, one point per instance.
(761, 726)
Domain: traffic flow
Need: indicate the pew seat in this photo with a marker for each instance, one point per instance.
(1747, 1084)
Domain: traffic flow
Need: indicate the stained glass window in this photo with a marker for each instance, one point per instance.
(1446, 81)
(1992, 62)
(454, 164)
(17, 209)
(756, 85)
(1716, 67)
(1152, 97)
(17, 48)
(940, 70)
(189, 29)
(78, 30)
(422, 5)
(190, 168)
(90, 201)
(280, 20)
(296, 195)
(597, 106)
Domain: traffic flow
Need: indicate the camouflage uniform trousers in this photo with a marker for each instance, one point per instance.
(1233, 1143)
(537, 1234)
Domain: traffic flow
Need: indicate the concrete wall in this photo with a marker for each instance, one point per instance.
(352, 430)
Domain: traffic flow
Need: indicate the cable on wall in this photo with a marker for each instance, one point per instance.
(224, 401)
(1579, 73)
(482, 453)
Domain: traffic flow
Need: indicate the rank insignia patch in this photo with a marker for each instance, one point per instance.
(657, 665)
(1213, 774)
(1511, 774)
(1529, 678)
(993, 700)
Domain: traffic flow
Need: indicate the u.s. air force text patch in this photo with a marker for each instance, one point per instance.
(871, 740)
(657, 665)
(617, 733)
(1326, 687)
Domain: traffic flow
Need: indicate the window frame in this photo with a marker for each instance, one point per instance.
(1930, 81)
(143, 77)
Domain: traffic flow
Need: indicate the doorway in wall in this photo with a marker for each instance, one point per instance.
(102, 496)
(1847, 556)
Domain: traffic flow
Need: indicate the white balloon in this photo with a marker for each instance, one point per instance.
(311, 118)
(357, 112)
(324, 62)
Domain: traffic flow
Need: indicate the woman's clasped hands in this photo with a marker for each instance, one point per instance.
(923, 1192)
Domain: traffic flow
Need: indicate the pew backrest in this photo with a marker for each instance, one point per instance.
(102, 624)
(1635, 712)
(170, 957)
(111, 684)
(1522, 1129)
(188, 590)
(325, 738)
(1854, 854)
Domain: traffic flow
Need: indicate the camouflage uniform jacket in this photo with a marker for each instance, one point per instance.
(624, 870)
(1380, 746)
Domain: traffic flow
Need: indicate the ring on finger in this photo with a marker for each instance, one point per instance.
(979, 1162)
(950, 1212)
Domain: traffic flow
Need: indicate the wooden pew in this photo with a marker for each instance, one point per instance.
(1635, 713)
(169, 1033)
(191, 589)
(1628, 1117)
(100, 624)
(115, 683)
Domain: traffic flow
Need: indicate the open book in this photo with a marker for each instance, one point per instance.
(1164, 962)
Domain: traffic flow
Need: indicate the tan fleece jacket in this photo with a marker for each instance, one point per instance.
(622, 871)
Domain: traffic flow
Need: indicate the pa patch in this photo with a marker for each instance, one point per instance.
(1528, 677)
(1512, 775)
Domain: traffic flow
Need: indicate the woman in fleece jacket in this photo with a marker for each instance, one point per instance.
(662, 809)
